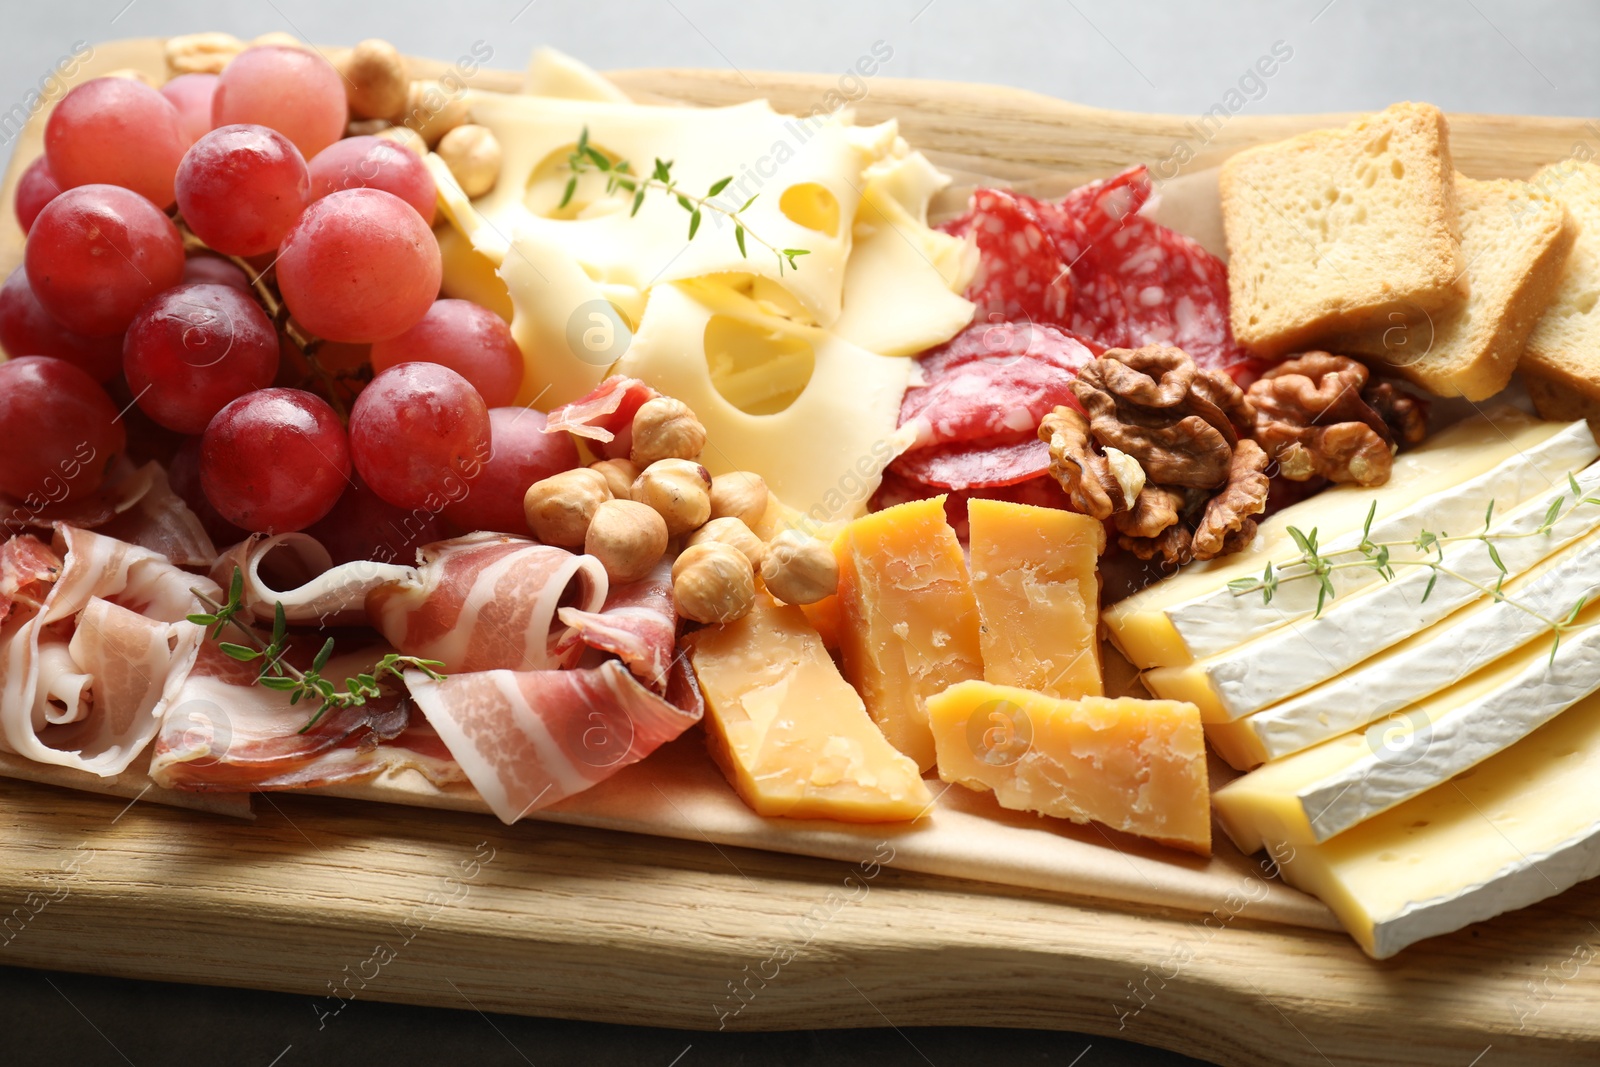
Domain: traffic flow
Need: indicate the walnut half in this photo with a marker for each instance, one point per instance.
(1312, 419)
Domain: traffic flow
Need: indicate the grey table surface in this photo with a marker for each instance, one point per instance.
(1464, 55)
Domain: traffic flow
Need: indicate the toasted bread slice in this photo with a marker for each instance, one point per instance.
(1562, 361)
(1515, 240)
(1334, 230)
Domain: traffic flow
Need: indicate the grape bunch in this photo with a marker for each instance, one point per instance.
(216, 276)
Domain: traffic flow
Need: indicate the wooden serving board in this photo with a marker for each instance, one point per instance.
(339, 899)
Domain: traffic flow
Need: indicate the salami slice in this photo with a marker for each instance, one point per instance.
(967, 465)
(993, 380)
(1022, 274)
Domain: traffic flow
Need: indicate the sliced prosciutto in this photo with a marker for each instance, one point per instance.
(226, 734)
(28, 566)
(604, 415)
(134, 504)
(295, 570)
(87, 674)
(638, 624)
(488, 601)
(526, 739)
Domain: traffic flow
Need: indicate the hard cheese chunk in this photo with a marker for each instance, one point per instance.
(1520, 827)
(909, 622)
(1444, 484)
(1035, 573)
(791, 735)
(1138, 766)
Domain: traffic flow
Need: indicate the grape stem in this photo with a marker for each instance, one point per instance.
(303, 342)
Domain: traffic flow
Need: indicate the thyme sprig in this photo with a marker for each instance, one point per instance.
(1316, 565)
(278, 674)
(586, 159)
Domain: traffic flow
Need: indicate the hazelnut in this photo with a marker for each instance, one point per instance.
(664, 428)
(620, 474)
(731, 531)
(798, 569)
(627, 538)
(201, 53)
(739, 495)
(406, 136)
(560, 507)
(433, 111)
(679, 489)
(375, 80)
(713, 582)
(473, 155)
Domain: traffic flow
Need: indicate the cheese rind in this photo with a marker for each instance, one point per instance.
(1352, 629)
(1322, 791)
(791, 735)
(908, 617)
(1035, 573)
(1439, 656)
(1138, 766)
(1522, 826)
(1444, 484)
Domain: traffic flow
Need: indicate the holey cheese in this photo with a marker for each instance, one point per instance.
(1443, 485)
(1520, 827)
(1439, 656)
(1035, 573)
(908, 624)
(822, 449)
(791, 735)
(803, 173)
(1323, 791)
(1294, 658)
(1138, 766)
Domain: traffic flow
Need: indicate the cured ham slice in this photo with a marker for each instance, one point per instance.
(226, 734)
(638, 623)
(488, 601)
(27, 567)
(295, 570)
(604, 416)
(135, 504)
(86, 675)
(526, 739)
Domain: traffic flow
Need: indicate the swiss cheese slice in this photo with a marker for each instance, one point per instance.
(1434, 659)
(1323, 791)
(1035, 573)
(823, 452)
(908, 620)
(1138, 766)
(1352, 629)
(554, 73)
(1444, 484)
(1521, 826)
(791, 735)
(802, 174)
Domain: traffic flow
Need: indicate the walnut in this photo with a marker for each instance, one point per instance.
(1156, 509)
(1405, 415)
(1171, 545)
(1311, 419)
(1231, 509)
(1179, 422)
(1085, 475)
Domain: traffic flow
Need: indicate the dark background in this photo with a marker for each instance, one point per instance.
(1464, 55)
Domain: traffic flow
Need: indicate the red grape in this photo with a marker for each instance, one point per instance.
(469, 339)
(193, 349)
(36, 188)
(419, 433)
(191, 94)
(240, 188)
(58, 430)
(26, 329)
(96, 253)
(183, 474)
(363, 525)
(274, 460)
(521, 453)
(375, 163)
(217, 271)
(116, 131)
(295, 92)
(359, 265)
